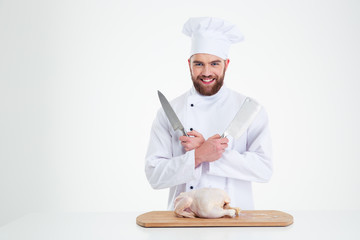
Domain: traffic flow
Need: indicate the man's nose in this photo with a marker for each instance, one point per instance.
(206, 71)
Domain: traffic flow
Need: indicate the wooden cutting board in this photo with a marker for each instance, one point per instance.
(253, 218)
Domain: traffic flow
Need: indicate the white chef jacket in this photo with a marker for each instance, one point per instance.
(246, 160)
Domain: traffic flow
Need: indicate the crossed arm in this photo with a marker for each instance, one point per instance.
(208, 150)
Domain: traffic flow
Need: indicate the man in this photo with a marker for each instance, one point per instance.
(204, 159)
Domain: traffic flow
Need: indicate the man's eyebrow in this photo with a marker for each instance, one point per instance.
(215, 61)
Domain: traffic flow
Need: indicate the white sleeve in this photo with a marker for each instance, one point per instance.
(167, 164)
(253, 164)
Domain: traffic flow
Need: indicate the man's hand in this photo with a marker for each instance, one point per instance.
(211, 150)
(190, 143)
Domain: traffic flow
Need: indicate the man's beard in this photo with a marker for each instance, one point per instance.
(208, 90)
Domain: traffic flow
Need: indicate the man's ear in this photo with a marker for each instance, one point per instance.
(227, 61)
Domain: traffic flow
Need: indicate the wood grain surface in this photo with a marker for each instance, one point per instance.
(253, 218)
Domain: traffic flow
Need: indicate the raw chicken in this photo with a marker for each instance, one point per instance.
(204, 203)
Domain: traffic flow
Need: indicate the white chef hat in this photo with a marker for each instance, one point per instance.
(211, 35)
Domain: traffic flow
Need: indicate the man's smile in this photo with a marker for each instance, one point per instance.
(207, 80)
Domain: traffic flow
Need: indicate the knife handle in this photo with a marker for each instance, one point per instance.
(224, 135)
(184, 132)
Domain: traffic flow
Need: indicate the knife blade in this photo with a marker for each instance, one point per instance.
(171, 115)
(243, 118)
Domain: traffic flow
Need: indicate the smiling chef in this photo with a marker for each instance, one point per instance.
(204, 159)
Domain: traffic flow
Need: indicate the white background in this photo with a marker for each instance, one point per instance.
(78, 81)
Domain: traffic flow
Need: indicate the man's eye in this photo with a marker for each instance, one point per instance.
(215, 63)
(198, 64)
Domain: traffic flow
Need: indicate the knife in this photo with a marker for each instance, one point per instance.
(171, 115)
(243, 118)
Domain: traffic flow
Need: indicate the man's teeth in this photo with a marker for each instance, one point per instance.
(208, 80)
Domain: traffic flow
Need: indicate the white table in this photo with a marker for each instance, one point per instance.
(122, 225)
